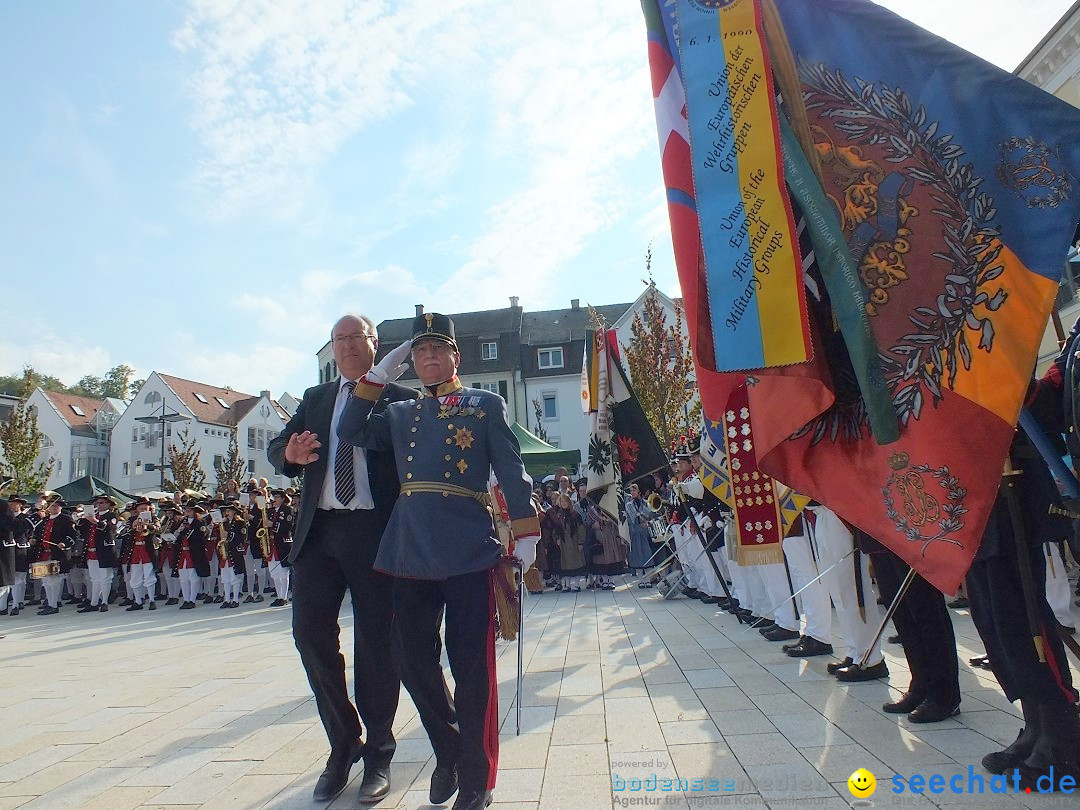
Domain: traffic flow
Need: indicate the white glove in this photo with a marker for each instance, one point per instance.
(390, 367)
(525, 550)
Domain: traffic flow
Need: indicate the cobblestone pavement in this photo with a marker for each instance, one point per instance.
(212, 709)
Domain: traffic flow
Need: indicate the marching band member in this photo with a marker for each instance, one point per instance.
(189, 563)
(78, 578)
(169, 586)
(7, 554)
(281, 527)
(254, 564)
(232, 545)
(23, 530)
(54, 538)
(138, 555)
(99, 530)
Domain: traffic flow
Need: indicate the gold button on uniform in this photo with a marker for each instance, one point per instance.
(446, 457)
(408, 475)
(446, 475)
(450, 426)
(449, 441)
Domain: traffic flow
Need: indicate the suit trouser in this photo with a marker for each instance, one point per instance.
(463, 729)
(1000, 615)
(813, 597)
(835, 551)
(336, 557)
(925, 629)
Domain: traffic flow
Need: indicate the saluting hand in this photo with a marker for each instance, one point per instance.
(301, 448)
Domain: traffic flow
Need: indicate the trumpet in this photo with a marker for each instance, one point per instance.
(655, 502)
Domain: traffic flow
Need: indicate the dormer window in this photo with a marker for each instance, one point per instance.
(489, 350)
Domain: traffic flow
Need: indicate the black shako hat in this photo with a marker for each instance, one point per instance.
(433, 326)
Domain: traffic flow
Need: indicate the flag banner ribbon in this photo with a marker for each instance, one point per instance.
(753, 271)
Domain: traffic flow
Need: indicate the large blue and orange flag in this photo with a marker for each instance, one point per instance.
(934, 200)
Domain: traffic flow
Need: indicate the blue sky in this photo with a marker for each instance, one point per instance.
(200, 187)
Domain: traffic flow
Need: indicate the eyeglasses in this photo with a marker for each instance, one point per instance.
(355, 337)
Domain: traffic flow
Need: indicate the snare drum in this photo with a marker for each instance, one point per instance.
(40, 570)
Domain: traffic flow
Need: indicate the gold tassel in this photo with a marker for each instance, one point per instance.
(507, 605)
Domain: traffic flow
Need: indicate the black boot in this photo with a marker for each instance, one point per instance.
(1020, 748)
(1057, 747)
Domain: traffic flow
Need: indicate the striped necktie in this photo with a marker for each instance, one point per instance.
(344, 477)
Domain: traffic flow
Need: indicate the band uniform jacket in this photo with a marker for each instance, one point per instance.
(23, 531)
(140, 533)
(447, 444)
(59, 529)
(194, 534)
(281, 529)
(314, 413)
(102, 537)
(236, 542)
(253, 526)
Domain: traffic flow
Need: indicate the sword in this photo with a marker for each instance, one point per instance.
(904, 586)
(520, 650)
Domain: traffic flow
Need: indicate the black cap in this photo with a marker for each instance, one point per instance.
(433, 326)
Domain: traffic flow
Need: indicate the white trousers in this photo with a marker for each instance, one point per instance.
(170, 585)
(280, 575)
(100, 582)
(18, 589)
(54, 586)
(231, 584)
(5, 592)
(779, 594)
(143, 582)
(813, 598)
(256, 574)
(834, 541)
(1058, 595)
(188, 582)
(78, 582)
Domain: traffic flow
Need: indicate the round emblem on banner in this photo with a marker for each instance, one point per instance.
(1034, 171)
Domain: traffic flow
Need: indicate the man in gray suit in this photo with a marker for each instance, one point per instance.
(347, 498)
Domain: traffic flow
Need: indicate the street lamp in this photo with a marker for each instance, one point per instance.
(163, 417)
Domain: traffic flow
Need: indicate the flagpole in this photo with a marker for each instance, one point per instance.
(520, 648)
(904, 586)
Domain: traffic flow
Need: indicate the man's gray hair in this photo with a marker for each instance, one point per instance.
(372, 329)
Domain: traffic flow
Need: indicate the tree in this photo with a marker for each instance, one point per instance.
(88, 386)
(117, 382)
(20, 441)
(660, 365)
(187, 472)
(232, 467)
(12, 384)
(540, 432)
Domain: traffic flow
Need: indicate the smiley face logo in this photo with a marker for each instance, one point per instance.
(862, 784)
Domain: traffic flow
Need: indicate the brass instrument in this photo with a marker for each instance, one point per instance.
(654, 501)
(222, 545)
(262, 534)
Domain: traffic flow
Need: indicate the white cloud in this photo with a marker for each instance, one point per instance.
(66, 358)
(265, 365)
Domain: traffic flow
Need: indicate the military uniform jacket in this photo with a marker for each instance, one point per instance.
(195, 534)
(236, 543)
(446, 442)
(281, 528)
(22, 532)
(102, 537)
(59, 529)
(253, 526)
(140, 533)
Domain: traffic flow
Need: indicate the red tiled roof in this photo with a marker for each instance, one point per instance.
(64, 402)
(211, 411)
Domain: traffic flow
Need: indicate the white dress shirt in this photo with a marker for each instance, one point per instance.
(328, 500)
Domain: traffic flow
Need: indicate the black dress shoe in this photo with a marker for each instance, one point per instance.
(15, 611)
(895, 639)
(765, 627)
(836, 666)
(188, 606)
(48, 611)
(152, 606)
(778, 633)
(87, 609)
(809, 646)
(376, 782)
(444, 784)
(335, 775)
(249, 599)
(258, 598)
(278, 603)
(103, 609)
(133, 606)
(472, 800)
(854, 673)
(907, 703)
(173, 601)
(706, 599)
(693, 593)
(930, 711)
(958, 602)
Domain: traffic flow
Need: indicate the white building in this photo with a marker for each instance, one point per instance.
(209, 414)
(77, 432)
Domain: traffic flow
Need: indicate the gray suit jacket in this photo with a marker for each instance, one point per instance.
(314, 413)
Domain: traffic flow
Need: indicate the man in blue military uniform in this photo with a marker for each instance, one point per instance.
(441, 543)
